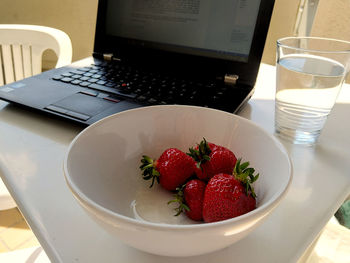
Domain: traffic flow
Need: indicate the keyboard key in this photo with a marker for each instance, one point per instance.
(127, 95)
(100, 64)
(88, 74)
(138, 91)
(101, 82)
(141, 98)
(58, 77)
(100, 87)
(84, 69)
(84, 84)
(66, 79)
(152, 101)
(111, 90)
(110, 84)
(92, 80)
(96, 76)
(76, 81)
(76, 72)
(67, 74)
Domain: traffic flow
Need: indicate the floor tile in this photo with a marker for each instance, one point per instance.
(9, 217)
(31, 242)
(17, 235)
(3, 247)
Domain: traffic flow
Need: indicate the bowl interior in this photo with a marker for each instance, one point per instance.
(103, 161)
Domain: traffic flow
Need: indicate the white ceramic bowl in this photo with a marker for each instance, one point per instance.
(102, 170)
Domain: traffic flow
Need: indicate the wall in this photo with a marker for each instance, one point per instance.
(332, 20)
(75, 17)
(281, 25)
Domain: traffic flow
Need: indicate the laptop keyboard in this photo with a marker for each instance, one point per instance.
(149, 88)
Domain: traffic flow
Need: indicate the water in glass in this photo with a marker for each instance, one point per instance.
(310, 87)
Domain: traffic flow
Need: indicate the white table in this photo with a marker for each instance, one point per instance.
(32, 147)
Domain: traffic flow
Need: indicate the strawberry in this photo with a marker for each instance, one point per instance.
(190, 198)
(227, 196)
(212, 159)
(194, 195)
(171, 170)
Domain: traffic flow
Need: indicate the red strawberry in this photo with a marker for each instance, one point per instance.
(227, 196)
(190, 198)
(212, 159)
(194, 195)
(171, 170)
(214, 147)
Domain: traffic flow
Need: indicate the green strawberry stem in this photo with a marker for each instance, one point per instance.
(245, 174)
(179, 198)
(202, 154)
(148, 168)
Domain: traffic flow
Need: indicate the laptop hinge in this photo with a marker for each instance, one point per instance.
(110, 57)
(106, 56)
(231, 79)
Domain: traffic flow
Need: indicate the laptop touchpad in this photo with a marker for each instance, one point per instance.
(81, 103)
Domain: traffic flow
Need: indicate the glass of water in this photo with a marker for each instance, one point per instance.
(310, 73)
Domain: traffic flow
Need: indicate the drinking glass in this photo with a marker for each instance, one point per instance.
(310, 73)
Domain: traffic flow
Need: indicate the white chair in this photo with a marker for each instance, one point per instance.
(22, 47)
(21, 50)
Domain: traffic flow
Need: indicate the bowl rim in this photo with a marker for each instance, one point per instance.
(258, 212)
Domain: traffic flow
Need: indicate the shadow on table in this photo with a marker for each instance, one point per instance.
(44, 125)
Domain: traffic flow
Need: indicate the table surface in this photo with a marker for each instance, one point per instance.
(32, 148)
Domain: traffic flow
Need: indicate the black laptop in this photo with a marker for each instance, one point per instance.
(155, 52)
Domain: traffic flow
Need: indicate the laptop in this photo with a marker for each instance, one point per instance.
(154, 52)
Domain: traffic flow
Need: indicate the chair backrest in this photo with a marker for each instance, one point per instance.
(22, 47)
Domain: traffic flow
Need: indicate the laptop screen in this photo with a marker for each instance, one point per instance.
(210, 28)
